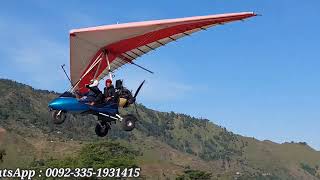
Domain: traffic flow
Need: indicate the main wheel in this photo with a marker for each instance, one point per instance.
(102, 129)
(129, 122)
(58, 117)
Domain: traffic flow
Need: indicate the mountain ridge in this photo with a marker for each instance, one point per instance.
(166, 139)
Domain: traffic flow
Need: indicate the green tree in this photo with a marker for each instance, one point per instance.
(2, 154)
(309, 169)
(194, 174)
(96, 155)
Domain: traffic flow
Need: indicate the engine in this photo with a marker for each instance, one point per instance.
(124, 96)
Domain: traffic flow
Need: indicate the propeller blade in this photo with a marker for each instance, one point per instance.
(137, 91)
(135, 106)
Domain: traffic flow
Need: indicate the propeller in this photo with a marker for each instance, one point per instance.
(137, 91)
(135, 95)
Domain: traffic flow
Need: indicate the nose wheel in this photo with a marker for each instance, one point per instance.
(58, 117)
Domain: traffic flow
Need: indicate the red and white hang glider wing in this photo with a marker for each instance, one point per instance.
(126, 42)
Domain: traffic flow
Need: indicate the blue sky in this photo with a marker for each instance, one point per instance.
(257, 78)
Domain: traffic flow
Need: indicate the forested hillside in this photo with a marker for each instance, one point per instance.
(164, 144)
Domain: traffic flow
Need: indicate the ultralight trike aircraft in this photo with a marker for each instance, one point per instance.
(96, 52)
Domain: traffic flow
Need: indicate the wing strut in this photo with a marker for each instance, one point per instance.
(96, 61)
(142, 67)
(105, 54)
(131, 62)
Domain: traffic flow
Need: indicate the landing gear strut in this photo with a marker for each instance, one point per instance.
(128, 123)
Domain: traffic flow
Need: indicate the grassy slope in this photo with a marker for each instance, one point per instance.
(169, 142)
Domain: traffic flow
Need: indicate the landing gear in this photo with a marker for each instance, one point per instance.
(129, 122)
(102, 129)
(58, 117)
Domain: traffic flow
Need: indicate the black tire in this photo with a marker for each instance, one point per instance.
(58, 117)
(129, 122)
(102, 129)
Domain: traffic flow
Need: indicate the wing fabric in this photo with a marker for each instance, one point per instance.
(123, 43)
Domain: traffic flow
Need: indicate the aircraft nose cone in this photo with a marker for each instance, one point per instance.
(53, 104)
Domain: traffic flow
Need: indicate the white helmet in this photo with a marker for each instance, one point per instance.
(94, 83)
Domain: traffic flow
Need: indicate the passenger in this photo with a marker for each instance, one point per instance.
(94, 95)
(109, 92)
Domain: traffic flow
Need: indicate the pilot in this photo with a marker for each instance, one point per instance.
(109, 92)
(94, 95)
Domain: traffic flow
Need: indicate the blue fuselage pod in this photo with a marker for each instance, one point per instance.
(68, 104)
